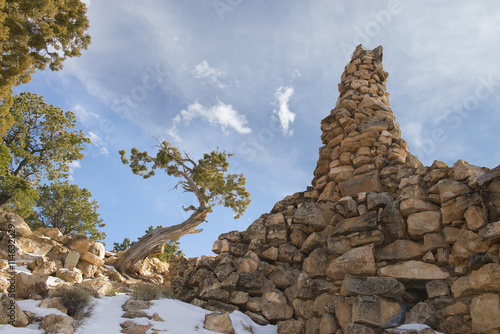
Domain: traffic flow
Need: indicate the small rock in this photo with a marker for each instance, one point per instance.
(219, 322)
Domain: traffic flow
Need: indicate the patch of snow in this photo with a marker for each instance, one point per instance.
(31, 329)
(32, 306)
(54, 281)
(180, 318)
(417, 327)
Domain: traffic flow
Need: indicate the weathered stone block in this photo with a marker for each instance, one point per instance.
(416, 270)
(374, 310)
(369, 182)
(357, 261)
(363, 223)
(424, 222)
(372, 286)
(485, 313)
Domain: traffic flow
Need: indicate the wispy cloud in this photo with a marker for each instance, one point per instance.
(286, 117)
(212, 74)
(99, 143)
(83, 115)
(220, 114)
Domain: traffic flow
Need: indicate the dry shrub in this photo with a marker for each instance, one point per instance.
(149, 292)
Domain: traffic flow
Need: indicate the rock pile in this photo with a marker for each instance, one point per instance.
(379, 240)
(55, 262)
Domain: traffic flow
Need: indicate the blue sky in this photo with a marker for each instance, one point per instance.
(255, 78)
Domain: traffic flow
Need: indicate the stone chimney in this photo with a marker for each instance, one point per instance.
(363, 149)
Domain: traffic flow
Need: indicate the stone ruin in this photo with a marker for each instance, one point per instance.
(378, 241)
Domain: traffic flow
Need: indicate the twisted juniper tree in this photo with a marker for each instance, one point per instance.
(207, 179)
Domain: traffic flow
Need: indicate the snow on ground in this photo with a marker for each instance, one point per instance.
(180, 318)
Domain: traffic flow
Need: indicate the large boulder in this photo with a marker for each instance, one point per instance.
(10, 313)
(30, 286)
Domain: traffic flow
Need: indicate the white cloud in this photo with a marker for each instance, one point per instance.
(283, 95)
(212, 74)
(221, 114)
(99, 143)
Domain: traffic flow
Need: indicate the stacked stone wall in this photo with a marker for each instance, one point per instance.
(379, 240)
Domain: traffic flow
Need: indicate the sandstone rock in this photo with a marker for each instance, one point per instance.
(131, 314)
(57, 324)
(291, 327)
(437, 288)
(416, 270)
(491, 233)
(88, 270)
(97, 249)
(485, 313)
(52, 233)
(369, 182)
(338, 245)
(456, 208)
(449, 189)
(256, 230)
(251, 282)
(303, 308)
(372, 286)
(20, 227)
(80, 243)
(274, 306)
(343, 310)
(71, 276)
(462, 170)
(458, 308)
(365, 238)
(10, 313)
(375, 311)
(433, 241)
(101, 286)
(401, 250)
(315, 215)
(316, 263)
(130, 327)
(219, 322)
(486, 279)
(378, 200)
(357, 261)
(43, 266)
(413, 205)
(135, 304)
(358, 329)
(277, 233)
(454, 325)
(422, 313)
(467, 244)
(393, 225)
(54, 302)
(475, 218)
(328, 324)
(238, 297)
(328, 192)
(325, 303)
(362, 223)
(271, 253)
(71, 260)
(423, 222)
(29, 285)
(92, 259)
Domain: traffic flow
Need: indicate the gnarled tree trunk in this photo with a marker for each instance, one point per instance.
(149, 244)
